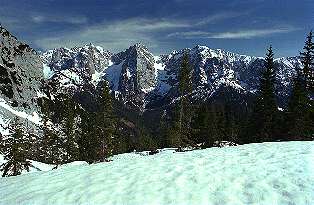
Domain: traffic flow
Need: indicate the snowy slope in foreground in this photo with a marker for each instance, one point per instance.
(268, 173)
(40, 167)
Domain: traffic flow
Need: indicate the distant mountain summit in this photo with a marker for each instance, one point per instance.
(214, 69)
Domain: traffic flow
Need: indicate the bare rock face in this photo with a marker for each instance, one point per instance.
(20, 72)
(137, 74)
(76, 66)
(131, 73)
(138, 66)
(91, 57)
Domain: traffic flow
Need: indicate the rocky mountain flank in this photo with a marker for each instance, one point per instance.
(21, 71)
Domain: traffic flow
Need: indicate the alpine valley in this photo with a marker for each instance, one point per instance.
(144, 86)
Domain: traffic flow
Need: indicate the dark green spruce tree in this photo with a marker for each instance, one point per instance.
(15, 150)
(307, 58)
(50, 142)
(300, 125)
(69, 128)
(215, 122)
(232, 124)
(300, 114)
(263, 122)
(88, 142)
(106, 125)
(205, 126)
(162, 129)
(180, 130)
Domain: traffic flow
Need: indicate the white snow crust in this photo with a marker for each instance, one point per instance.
(279, 173)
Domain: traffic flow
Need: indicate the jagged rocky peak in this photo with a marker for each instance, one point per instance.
(131, 73)
(138, 72)
(208, 65)
(207, 52)
(204, 53)
(90, 57)
(20, 72)
(76, 66)
(214, 69)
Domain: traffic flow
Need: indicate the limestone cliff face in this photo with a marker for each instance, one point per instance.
(21, 71)
(137, 75)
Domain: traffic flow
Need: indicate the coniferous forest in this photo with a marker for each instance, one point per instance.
(73, 131)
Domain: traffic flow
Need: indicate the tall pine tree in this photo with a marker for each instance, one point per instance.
(88, 142)
(180, 130)
(51, 143)
(106, 124)
(265, 113)
(69, 127)
(307, 58)
(15, 150)
(205, 126)
(299, 123)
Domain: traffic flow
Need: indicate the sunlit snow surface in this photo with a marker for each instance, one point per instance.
(268, 173)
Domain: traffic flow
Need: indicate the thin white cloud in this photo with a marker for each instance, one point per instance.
(241, 34)
(11, 22)
(120, 34)
(218, 17)
(59, 19)
(114, 36)
(247, 34)
(189, 34)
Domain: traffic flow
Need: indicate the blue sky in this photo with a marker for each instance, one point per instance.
(242, 26)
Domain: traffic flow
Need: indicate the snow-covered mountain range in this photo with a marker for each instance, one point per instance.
(136, 76)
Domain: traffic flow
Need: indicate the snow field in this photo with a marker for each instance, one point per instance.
(268, 174)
